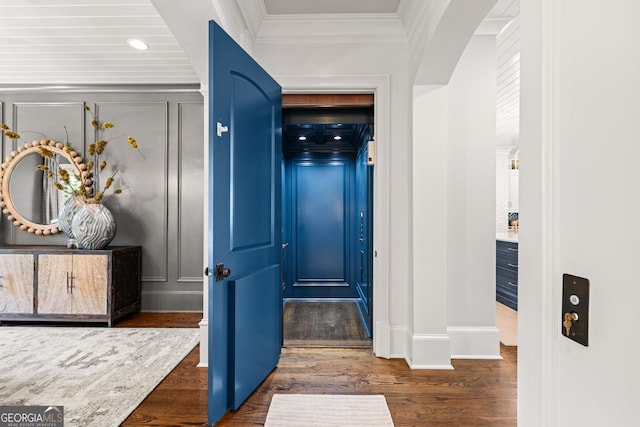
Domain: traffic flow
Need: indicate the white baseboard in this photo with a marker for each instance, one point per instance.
(429, 351)
(474, 342)
(204, 343)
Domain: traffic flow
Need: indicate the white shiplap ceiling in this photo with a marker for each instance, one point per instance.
(84, 42)
(508, 79)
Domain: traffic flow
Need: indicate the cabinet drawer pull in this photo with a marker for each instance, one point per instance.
(69, 283)
(512, 284)
(512, 265)
(512, 249)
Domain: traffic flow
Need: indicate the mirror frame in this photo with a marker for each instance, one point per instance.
(8, 208)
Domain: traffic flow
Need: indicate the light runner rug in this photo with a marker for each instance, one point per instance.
(99, 375)
(307, 410)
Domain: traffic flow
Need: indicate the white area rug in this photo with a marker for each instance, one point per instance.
(99, 375)
(305, 410)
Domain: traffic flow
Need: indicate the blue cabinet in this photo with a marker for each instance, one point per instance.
(507, 273)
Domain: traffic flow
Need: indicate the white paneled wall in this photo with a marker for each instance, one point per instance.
(502, 188)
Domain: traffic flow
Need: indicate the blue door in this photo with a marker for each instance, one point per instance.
(244, 229)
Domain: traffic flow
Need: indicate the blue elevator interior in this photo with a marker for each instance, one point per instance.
(327, 208)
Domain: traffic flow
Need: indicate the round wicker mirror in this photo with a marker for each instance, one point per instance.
(27, 195)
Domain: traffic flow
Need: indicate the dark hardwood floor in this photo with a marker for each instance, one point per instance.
(475, 393)
(323, 324)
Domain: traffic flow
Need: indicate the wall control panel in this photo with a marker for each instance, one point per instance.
(575, 308)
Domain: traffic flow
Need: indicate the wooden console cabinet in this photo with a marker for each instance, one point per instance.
(51, 283)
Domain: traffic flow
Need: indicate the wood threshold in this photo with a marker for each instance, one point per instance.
(328, 343)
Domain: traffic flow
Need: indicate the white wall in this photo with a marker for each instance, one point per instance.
(471, 202)
(429, 345)
(579, 135)
(454, 179)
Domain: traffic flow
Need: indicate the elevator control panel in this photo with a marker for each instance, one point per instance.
(575, 308)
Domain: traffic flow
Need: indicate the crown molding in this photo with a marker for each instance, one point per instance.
(100, 88)
(253, 12)
(324, 28)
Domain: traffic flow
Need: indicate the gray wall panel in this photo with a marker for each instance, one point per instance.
(190, 191)
(35, 121)
(141, 210)
(161, 207)
(39, 120)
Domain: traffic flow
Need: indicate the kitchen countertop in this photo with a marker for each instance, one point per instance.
(507, 236)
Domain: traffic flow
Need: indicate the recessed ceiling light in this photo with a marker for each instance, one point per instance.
(302, 138)
(138, 44)
(337, 137)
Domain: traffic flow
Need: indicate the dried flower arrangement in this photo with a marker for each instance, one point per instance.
(86, 184)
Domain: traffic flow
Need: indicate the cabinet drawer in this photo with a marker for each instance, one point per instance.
(507, 288)
(508, 250)
(507, 256)
(507, 264)
(507, 279)
(504, 296)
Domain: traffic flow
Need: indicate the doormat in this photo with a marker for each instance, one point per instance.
(326, 410)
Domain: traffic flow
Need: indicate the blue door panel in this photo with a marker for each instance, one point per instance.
(318, 225)
(252, 206)
(321, 221)
(256, 321)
